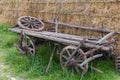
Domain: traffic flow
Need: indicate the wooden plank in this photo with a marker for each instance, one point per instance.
(74, 37)
(64, 36)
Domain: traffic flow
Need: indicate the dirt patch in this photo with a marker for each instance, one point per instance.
(2, 66)
(4, 74)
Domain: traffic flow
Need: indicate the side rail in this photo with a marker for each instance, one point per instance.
(57, 24)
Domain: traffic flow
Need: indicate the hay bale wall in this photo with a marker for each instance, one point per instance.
(79, 12)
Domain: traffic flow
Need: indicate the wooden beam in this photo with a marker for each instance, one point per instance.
(71, 37)
(82, 27)
(90, 59)
(106, 37)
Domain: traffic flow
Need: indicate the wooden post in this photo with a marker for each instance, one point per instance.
(51, 57)
(56, 25)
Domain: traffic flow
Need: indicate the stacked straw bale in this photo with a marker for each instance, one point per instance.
(80, 12)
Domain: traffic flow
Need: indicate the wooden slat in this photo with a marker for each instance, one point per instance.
(64, 36)
(70, 37)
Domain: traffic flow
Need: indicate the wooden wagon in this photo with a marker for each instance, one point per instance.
(78, 51)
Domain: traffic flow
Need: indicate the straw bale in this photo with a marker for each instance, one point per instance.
(79, 12)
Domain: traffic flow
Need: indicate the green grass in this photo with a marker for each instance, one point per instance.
(33, 68)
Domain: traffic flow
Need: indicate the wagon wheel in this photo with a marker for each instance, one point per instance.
(30, 23)
(76, 60)
(117, 62)
(26, 45)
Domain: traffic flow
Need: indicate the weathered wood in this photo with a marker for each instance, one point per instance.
(30, 23)
(72, 37)
(56, 25)
(56, 39)
(51, 57)
(97, 70)
(90, 52)
(90, 59)
(19, 49)
(25, 44)
(82, 27)
(117, 62)
(74, 52)
(70, 56)
(64, 36)
(106, 37)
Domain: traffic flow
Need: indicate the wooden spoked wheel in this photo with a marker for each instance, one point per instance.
(26, 45)
(30, 23)
(75, 61)
(117, 62)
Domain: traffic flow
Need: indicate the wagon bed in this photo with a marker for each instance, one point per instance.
(65, 39)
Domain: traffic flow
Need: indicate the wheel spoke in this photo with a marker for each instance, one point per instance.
(37, 22)
(65, 57)
(23, 20)
(31, 51)
(26, 18)
(36, 27)
(25, 24)
(29, 18)
(32, 27)
(29, 26)
(33, 20)
(68, 53)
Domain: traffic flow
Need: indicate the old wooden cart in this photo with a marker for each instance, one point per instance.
(78, 50)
